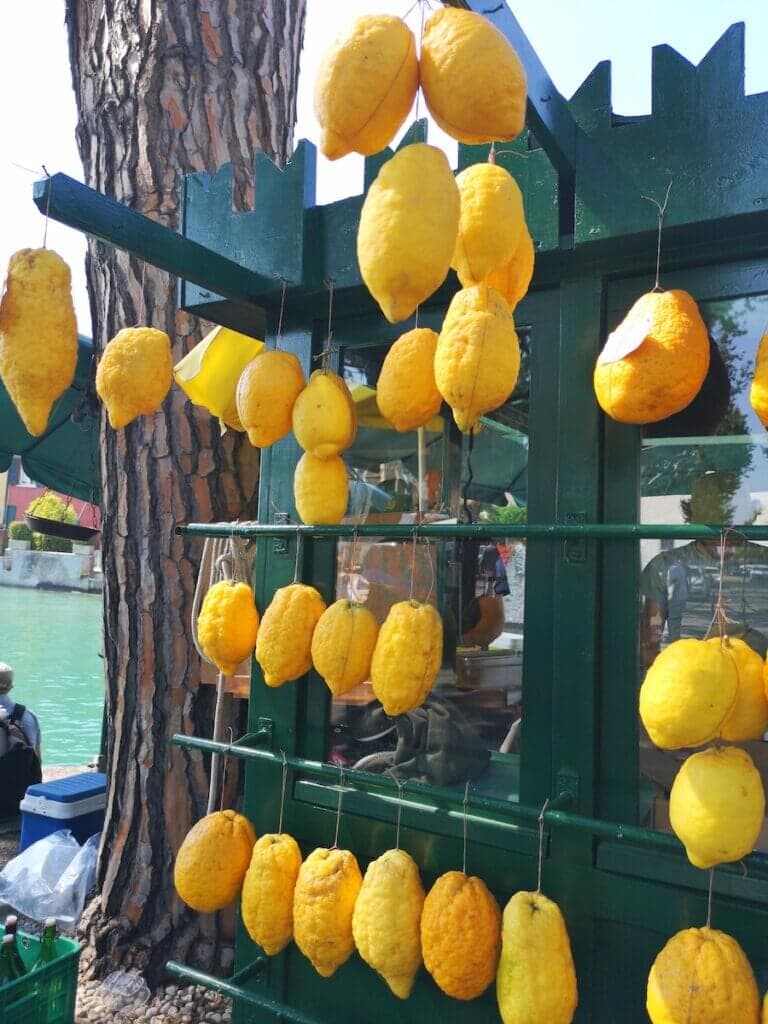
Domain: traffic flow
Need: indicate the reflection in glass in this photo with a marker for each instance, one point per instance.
(708, 464)
(469, 726)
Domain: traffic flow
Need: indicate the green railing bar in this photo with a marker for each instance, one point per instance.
(555, 531)
(554, 814)
(78, 206)
(227, 988)
(475, 801)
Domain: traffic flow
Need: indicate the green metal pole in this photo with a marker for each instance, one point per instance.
(227, 988)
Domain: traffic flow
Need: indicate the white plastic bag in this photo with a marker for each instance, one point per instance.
(51, 878)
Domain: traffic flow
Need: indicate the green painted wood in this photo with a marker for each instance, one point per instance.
(72, 203)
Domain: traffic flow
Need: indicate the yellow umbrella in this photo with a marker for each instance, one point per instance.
(209, 373)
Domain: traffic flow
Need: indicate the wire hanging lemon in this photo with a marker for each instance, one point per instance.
(38, 334)
(491, 222)
(283, 646)
(406, 392)
(266, 392)
(228, 625)
(407, 656)
(324, 417)
(343, 644)
(266, 902)
(213, 859)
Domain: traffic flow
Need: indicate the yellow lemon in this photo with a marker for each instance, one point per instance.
(342, 645)
(406, 392)
(320, 489)
(536, 979)
(665, 369)
(266, 391)
(460, 935)
(407, 656)
(407, 229)
(387, 919)
(758, 392)
(702, 976)
(513, 279)
(485, 104)
(324, 417)
(38, 334)
(748, 718)
(267, 898)
(283, 646)
(365, 85)
(323, 903)
(477, 360)
(212, 861)
(688, 693)
(134, 374)
(717, 805)
(491, 222)
(228, 625)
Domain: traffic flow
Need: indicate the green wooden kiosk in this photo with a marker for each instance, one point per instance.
(599, 499)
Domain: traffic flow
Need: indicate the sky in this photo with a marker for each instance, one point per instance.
(38, 109)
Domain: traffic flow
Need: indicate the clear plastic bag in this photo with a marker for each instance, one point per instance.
(124, 992)
(51, 878)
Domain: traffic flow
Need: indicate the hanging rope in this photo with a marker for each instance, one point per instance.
(338, 809)
(541, 845)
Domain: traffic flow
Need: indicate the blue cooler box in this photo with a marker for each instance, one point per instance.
(76, 803)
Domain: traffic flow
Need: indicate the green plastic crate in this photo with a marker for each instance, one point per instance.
(47, 996)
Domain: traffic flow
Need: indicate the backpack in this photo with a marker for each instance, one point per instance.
(19, 765)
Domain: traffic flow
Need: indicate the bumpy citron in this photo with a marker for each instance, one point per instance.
(485, 106)
(748, 718)
(323, 903)
(536, 979)
(208, 374)
(513, 279)
(460, 935)
(407, 229)
(702, 976)
(342, 645)
(283, 646)
(687, 693)
(320, 489)
(324, 419)
(407, 656)
(386, 924)
(758, 392)
(491, 221)
(717, 805)
(134, 374)
(665, 371)
(477, 360)
(266, 901)
(365, 85)
(406, 392)
(212, 861)
(38, 334)
(266, 391)
(228, 625)
(764, 1016)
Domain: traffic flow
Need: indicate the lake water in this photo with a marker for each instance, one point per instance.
(53, 642)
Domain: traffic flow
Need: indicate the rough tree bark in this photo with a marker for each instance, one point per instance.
(164, 87)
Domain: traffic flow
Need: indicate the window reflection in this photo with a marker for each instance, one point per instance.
(469, 726)
(708, 464)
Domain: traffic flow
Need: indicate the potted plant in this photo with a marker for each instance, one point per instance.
(20, 536)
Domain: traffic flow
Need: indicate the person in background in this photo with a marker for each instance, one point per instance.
(677, 598)
(19, 748)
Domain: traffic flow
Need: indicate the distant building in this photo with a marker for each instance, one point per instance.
(17, 491)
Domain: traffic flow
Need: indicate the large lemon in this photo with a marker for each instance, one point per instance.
(748, 718)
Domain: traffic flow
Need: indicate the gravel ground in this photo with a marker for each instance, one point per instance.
(170, 1004)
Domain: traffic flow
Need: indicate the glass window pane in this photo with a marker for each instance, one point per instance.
(708, 464)
(469, 725)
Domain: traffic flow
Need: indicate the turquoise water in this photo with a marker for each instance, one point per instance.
(53, 642)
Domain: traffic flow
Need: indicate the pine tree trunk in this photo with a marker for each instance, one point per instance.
(165, 87)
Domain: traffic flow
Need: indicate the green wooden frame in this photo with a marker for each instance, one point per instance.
(582, 170)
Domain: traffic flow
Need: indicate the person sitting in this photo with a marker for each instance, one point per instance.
(20, 762)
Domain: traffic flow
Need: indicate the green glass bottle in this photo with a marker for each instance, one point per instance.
(47, 944)
(11, 926)
(8, 969)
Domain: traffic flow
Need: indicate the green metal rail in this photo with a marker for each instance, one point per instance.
(553, 531)
(553, 815)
